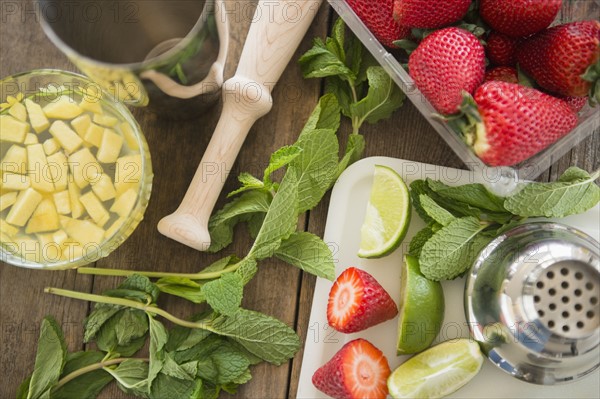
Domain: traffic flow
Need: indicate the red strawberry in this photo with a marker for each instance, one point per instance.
(357, 302)
(518, 122)
(358, 370)
(446, 63)
(558, 57)
(517, 18)
(503, 74)
(428, 14)
(500, 49)
(576, 103)
(377, 16)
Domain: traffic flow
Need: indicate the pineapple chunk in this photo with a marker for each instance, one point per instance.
(62, 202)
(51, 251)
(27, 202)
(64, 220)
(85, 232)
(37, 118)
(74, 194)
(105, 120)
(114, 227)
(84, 167)
(81, 124)
(7, 229)
(93, 135)
(59, 170)
(104, 188)
(12, 129)
(72, 250)
(129, 136)
(51, 146)
(124, 203)
(15, 160)
(39, 172)
(94, 208)
(59, 237)
(128, 173)
(28, 248)
(31, 138)
(110, 148)
(18, 111)
(45, 218)
(91, 104)
(13, 181)
(67, 138)
(62, 108)
(7, 200)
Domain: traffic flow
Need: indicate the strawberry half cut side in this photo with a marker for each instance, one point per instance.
(357, 371)
(357, 301)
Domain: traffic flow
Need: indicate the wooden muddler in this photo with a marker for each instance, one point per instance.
(276, 31)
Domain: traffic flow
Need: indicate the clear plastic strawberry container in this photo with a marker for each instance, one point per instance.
(500, 179)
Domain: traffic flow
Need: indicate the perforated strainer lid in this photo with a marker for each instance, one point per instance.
(532, 300)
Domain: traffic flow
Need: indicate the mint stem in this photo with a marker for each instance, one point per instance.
(126, 273)
(128, 303)
(92, 367)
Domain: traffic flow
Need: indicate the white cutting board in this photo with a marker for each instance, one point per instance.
(342, 233)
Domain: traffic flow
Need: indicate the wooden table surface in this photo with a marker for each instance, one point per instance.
(176, 147)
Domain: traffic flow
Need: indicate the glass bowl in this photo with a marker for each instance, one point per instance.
(75, 168)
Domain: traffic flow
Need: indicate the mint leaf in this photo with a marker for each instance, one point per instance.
(168, 387)
(354, 150)
(472, 194)
(221, 224)
(309, 253)
(382, 99)
(132, 325)
(246, 270)
(131, 376)
(96, 319)
(323, 60)
(326, 115)
(182, 287)
(49, 360)
(418, 240)
(249, 182)
(316, 166)
(262, 335)
(186, 371)
(279, 159)
(575, 192)
(435, 211)
(418, 188)
(281, 219)
(451, 250)
(106, 338)
(230, 364)
(158, 339)
(342, 92)
(85, 386)
(224, 294)
(338, 33)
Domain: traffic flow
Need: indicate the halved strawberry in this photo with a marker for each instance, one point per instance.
(357, 301)
(357, 371)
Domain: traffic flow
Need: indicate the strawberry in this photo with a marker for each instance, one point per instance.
(500, 49)
(446, 63)
(377, 16)
(503, 74)
(358, 370)
(357, 301)
(427, 14)
(576, 103)
(517, 122)
(518, 18)
(558, 57)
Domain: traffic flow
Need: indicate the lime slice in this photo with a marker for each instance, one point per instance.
(438, 371)
(388, 215)
(421, 309)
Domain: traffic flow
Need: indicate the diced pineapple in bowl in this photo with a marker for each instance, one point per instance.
(75, 171)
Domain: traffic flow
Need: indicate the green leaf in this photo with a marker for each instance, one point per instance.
(326, 115)
(132, 325)
(575, 192)
(252, 358)
(141, 283)
(472, 194)
(309, 253)
(96, 319)
(221, 264)
(418, 188)
(281, 219)
(168, 387)
(338, 33)
(224, 294)
(255, 223)
(186, 371)
(182, 338)
(85, 386)
(249, 182)
(49, 360)
(182, 287)
(221, 224)
(354, 150)
(452, 249)
(418, 240)
(382, 99)
(316, 166)
(230, 364)
(23, 389)
(158, 339)
(129, 294)
(342, 92)
(279, 159)
(106, 338)
(323, 60)
(435, 211)
(262, 335)
(199, 352)
(247, 270)
(131, 376)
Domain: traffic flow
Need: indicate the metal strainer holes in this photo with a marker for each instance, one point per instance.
(565, 298)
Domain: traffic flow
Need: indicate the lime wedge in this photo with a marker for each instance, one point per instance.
(421, 309)
(388, 214)
(438, 371)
